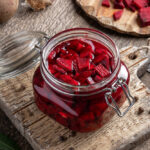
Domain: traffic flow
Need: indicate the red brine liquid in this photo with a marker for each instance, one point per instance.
(78, 62)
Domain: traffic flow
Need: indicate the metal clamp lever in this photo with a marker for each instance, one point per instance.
(120, 83)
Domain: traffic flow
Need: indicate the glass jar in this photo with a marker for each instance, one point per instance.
(82, 108)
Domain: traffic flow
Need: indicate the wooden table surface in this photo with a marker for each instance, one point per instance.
(63, 14)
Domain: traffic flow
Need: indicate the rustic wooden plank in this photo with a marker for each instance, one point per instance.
(17, 92)
(43, 132)
(126, 24)
(40, 130)
(118, 132)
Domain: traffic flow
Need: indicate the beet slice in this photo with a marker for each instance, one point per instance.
(51, 56)
(92, 66)
(88, 45)
(144, 16)
(90, 80)
(119, 5)
(117, 15)
(57, 75)
(106, 3)
(99, 51)
(129, 4)
(119, 1)
(83, 63)
(102, 71)
(79, 47)
(65, 63)
(70, 54)
(86, 74)
(87, 54)
(76, 45)
(100, 58)
(73, 53)
(83, 76)
(140, 3)
(51, 69)
(106, 62)
(59, 69)
(97, 78)
(68, 79)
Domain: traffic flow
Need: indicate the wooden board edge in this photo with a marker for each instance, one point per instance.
(112, 27)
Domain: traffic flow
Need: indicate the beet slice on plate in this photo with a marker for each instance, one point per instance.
(106, 3)
(144, 15)
(117, 15)
(140, 3)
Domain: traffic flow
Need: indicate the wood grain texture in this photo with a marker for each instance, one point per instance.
(43, 133)
(128, 23)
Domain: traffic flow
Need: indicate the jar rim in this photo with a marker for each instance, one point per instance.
(101, 83)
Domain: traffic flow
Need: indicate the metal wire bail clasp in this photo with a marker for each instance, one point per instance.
(119, 83)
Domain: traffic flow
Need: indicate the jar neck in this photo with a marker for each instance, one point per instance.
(68, 89)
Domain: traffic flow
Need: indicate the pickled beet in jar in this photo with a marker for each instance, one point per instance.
(81, 81)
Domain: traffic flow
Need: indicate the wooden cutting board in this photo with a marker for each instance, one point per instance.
(43, 133)
(104, 15)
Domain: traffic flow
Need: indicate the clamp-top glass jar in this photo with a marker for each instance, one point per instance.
(81, 108)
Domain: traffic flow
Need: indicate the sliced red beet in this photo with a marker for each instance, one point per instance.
(117, 15)
(63, 50)
(102, 71)
(86, 74)
(65, 64)
(83, 63)
(57, 75)
(68, 79)
(86, 53)
(144, 15)
(106, 62)
(75, 66)
(100, 58)
(59, 69)
(51, 69)
(83, 76)
(106, 3)
(119, 5)
(90, 80)
(140, 3)
(97, 78)
(79, 47)
(51, 56)
(76, 45)
(129, 4)
(99, 51)
(89, 46)
(73, 53)
(119, 1)
(92, 66)
(70, 54)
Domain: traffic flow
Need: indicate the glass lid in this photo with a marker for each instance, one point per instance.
(20, 52)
